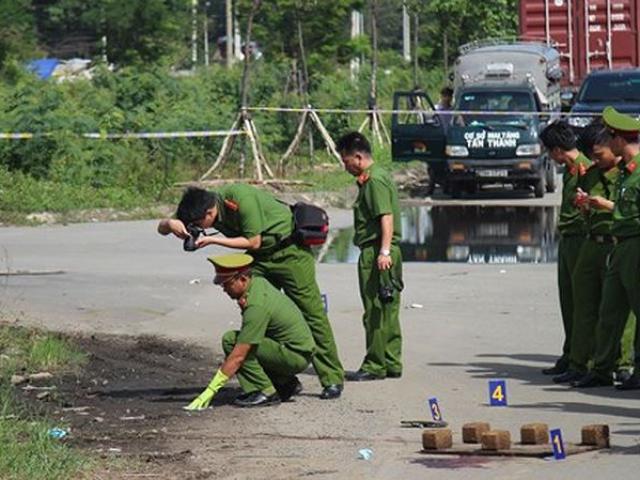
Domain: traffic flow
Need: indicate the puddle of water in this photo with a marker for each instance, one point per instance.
(466, 234)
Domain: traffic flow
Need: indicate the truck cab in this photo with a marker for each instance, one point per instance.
(504, 95)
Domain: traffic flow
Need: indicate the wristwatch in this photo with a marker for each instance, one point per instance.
(385, 252)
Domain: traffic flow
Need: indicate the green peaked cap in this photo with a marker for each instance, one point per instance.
(620, 121)
(229, 265)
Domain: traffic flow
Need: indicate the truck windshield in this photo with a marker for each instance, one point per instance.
(494, 102)
(614, 88)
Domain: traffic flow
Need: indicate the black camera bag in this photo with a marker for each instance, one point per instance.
(311, 224)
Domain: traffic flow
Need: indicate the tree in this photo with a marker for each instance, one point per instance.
(137, 31)
(17, 30)
(464, 21)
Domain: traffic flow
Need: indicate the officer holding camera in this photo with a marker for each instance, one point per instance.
(254, 220)
(377, 231)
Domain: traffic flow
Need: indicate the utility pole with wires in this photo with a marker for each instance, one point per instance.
(406, 34)
(194, 33)
(374, 119)
(205, 33)
(229, 33)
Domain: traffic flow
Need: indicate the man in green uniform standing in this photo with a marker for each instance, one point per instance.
(273, 344)
(254, 220)
(560, 142)
(621, 290)
(588, 276)
(377, 231)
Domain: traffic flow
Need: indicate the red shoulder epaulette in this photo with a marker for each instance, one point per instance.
(631, 166)
(231, 205)
(363, 178)
(573, 171)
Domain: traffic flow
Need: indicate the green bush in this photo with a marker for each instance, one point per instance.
(59, 170)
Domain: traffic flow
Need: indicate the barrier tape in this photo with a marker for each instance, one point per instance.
(113, 136)
(224, 133)
(438, 112)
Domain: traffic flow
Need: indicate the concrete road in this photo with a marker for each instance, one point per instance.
(477, 322)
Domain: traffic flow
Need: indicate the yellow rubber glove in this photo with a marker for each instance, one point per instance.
(203, 400)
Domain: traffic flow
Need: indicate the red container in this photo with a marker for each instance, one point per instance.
(590, 34)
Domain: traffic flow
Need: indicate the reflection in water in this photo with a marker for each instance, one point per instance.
(468, 234)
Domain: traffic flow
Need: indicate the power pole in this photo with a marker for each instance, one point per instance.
(194, 33)
(406, 34)
(205, 33)
(356, 31)
(229, 29)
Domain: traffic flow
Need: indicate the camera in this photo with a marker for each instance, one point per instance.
(190, 242)
(385, 293)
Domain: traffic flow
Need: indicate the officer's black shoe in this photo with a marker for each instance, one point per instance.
(632, 383)
(331, 391)
(591, 380)
(257, 399)
(289, 389)
(362, 376)
(623, 376)
(568, 377)
(557, 369)
(394, 374)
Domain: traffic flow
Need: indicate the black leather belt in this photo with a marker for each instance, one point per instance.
(617, 240)
(602, 239)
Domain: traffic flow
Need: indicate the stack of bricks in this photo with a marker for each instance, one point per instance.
(437, 439)
(534, 434)
(596, 435)
(496, 440)
(472, 432)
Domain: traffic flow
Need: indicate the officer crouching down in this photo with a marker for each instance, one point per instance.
(272, 346)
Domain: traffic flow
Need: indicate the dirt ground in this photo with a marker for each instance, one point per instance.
(126, 405)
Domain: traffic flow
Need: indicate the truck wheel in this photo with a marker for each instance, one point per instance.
(540, 187)
(431, 186)
(551, 177)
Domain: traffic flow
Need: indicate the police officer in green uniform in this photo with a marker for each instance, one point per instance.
(254, 220)
(377, 232)
(588, 275)
(560, 142)
(273, 344)
(621, 290)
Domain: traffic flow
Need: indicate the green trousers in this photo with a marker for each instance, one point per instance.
(381, 321)
(568, 250)
(620, 293)
(588, 280)
(268, 364)
(293, 269)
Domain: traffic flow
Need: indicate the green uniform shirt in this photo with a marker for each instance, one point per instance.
(626, 213)
(246, 211)
(377, 195)
(571, 221)
(270, 313)
(600, 183)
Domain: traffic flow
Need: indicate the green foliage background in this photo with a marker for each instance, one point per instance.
(148, 41)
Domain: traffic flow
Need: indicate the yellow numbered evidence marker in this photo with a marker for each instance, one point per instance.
(498, 393)
(434, 408)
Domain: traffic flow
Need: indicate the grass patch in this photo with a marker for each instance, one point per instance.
(30, 350)
(26, 449)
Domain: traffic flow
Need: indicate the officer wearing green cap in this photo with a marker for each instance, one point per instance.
(589, 272)
(560, 142)
(377, 232)
(621, 289)
(273, 344)
(254, 220)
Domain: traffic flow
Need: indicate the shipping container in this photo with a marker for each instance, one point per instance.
(590, 34)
